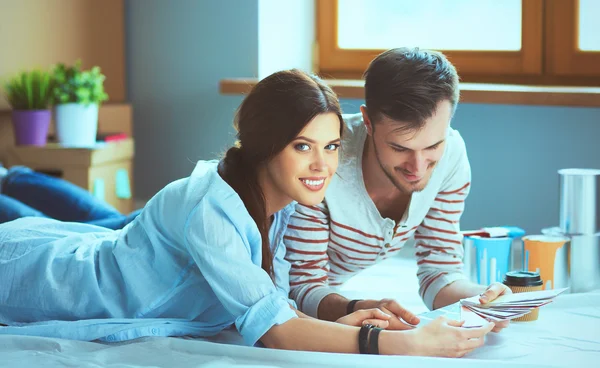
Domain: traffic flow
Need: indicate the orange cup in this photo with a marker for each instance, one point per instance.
(548, 255)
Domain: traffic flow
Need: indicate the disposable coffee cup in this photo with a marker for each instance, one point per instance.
(521, 282)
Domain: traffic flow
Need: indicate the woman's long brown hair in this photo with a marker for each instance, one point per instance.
(272, 115)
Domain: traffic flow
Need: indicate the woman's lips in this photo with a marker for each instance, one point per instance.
(313, 184)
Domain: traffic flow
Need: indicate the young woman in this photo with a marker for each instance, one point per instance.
(206, 252)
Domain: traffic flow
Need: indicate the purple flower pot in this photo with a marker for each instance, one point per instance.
(31, 126)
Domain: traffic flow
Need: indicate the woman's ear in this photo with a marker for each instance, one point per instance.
(366, 121)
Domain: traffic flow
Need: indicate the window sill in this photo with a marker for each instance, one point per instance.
(469, 92)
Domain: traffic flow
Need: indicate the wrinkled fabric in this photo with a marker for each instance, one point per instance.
(189, 264)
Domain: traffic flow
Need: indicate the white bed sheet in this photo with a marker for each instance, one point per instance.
(566, 335)
(26, 351)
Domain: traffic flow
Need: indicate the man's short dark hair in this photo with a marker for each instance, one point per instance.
(406, 84)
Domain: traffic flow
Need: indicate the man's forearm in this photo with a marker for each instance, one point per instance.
(332, 307)
(456, 291)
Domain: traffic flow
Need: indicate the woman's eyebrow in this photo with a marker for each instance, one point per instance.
(313, 141)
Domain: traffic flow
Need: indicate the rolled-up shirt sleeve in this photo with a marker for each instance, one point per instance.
(307, 240)
(227, 251)
(438, 238)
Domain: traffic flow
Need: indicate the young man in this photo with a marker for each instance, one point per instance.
(403, 173)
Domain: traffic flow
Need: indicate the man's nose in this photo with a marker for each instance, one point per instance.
(418, 163)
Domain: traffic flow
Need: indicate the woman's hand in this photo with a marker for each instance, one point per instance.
(373, 316)
(441, 338)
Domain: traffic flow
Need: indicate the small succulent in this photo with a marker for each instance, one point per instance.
(30, 90)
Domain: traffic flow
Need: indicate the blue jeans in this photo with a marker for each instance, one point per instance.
(28, 193)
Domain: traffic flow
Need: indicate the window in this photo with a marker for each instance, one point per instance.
(508, 41)
(383, 24)
(588, 25)
(573, 44)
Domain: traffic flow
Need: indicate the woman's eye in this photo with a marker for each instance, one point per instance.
(332, 147)
(302, 147)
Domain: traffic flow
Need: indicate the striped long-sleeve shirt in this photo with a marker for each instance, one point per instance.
(328, 243)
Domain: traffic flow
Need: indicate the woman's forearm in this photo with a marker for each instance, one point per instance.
(311, 334)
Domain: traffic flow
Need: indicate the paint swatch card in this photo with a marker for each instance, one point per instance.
(471, 318)
(506, 307)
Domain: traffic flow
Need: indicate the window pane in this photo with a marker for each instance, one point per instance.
(589, 28)
(432, 24)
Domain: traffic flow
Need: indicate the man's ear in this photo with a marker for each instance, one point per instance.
(366, 120)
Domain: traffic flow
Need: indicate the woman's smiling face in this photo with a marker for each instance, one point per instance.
(303, 170)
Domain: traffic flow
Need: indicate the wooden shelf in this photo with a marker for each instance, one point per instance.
(469, 92)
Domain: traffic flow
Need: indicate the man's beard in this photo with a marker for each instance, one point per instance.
(405, 188)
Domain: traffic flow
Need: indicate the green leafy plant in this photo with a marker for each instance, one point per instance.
(29, 90)
(71, 84)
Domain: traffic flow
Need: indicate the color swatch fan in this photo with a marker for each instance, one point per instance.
(504, 308)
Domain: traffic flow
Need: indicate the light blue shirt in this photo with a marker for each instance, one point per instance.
(189, 264)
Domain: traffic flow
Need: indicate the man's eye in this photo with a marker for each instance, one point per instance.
(398, 149)
(432, 148)
(302, 147)
(332, 147)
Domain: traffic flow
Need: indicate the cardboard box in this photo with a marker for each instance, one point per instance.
(106, 171)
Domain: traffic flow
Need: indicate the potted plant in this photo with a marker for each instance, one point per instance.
(77, 94)
(29, 95)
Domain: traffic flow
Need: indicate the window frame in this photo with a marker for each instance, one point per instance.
(563, 57)
(541, 60)
(526, 61)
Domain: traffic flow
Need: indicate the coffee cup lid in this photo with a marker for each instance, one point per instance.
(522, 278)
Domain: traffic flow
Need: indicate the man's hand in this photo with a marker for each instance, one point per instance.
(371, 316)
(401, 319)
(492, 292)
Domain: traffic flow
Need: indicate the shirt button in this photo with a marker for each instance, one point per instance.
(110, 338)
(382, 254)
(387, 245)
(154, 331)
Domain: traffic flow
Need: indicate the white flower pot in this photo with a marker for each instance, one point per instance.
(76, 124)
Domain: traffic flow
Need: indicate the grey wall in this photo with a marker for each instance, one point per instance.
(515, 152)
(177, 51)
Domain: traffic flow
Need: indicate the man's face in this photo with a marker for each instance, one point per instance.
(408, 157)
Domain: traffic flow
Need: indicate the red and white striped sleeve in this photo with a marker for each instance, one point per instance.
(438, 239)
(306, 241)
